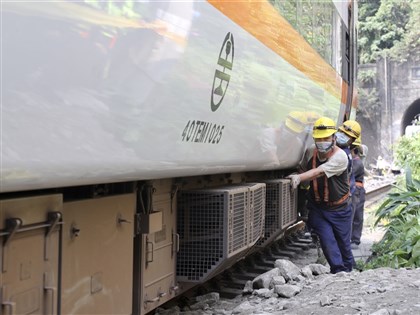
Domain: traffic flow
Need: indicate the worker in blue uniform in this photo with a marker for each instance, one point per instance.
(347, 133)
(358, 197)
(330, 213)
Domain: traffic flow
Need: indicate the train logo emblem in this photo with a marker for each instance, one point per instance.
(221, 75)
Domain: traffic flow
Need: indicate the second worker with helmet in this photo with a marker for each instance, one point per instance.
(330, 212)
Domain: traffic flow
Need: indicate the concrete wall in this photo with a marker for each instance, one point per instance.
(398, 89)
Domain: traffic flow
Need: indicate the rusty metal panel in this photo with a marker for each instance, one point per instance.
(98, 255)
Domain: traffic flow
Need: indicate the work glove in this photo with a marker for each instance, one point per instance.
(294, 180)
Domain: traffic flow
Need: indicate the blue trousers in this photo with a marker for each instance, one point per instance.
(333, 229)
(358, 204)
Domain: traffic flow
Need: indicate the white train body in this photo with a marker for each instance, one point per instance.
(90, 97)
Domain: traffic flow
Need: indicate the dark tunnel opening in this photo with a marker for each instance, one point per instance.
(410, 114)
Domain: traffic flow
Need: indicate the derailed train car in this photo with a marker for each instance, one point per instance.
(144, 144)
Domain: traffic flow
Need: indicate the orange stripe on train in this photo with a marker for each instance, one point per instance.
(271, 29)
(344, 92)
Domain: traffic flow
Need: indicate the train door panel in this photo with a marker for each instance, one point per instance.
(98, 255)
(30, 254)
(158, 266)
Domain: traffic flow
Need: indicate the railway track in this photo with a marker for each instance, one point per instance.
(293, 246)
(377, 193)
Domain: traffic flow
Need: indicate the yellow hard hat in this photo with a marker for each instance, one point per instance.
(323, 128)
(351, 128)
(358, 141)
(295, 121)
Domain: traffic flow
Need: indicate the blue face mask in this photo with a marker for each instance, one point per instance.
(342, 139)
(324, 146)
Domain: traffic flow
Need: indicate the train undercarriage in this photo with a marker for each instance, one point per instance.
(127, 248)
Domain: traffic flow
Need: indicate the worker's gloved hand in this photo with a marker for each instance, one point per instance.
(294, 180)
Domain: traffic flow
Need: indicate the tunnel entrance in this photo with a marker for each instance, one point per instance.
(410, 114)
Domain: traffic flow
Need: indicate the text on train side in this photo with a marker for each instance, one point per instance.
(202, 132)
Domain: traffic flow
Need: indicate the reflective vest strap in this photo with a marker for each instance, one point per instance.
(339, 201)
(326, 190)
(315, 181)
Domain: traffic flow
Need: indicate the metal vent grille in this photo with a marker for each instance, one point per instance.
(238, 227)
(280, 208)
(200, 228)
(216, 224)
(256, 211)
(288, 204)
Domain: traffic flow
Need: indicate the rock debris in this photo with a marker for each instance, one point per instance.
(288, 289)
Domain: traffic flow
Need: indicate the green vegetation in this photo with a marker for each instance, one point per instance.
(400, 246)
(388, 28)
(407, 154)
(369, 107)
(314, 20)
(367, 76)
